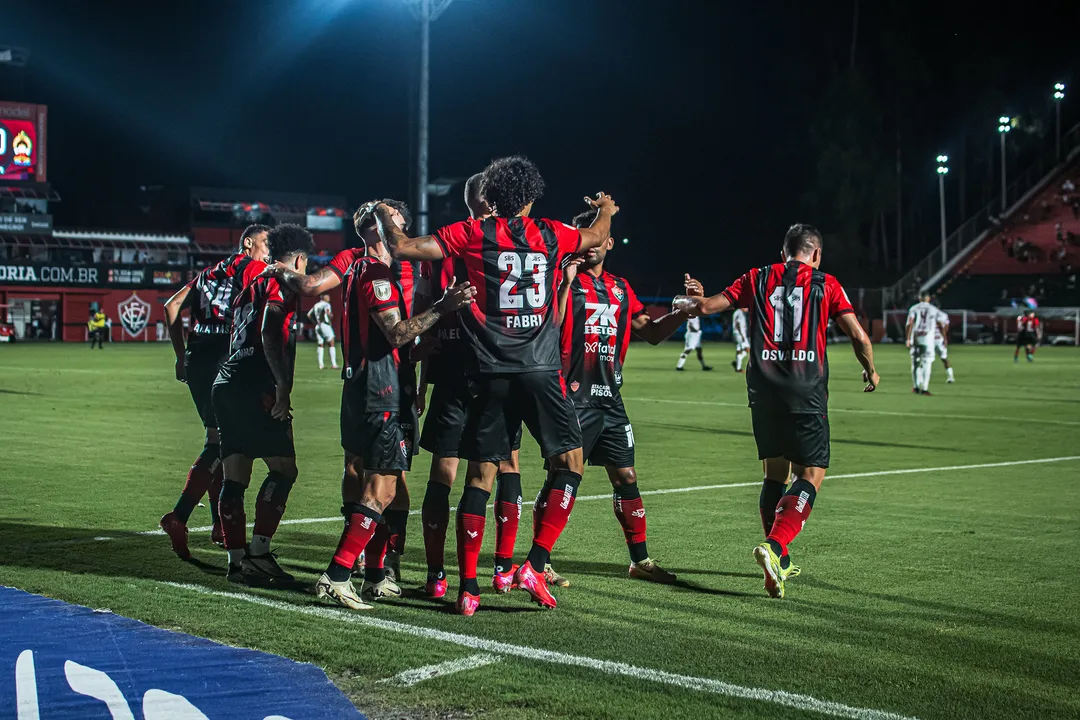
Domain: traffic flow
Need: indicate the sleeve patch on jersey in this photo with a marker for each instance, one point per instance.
(382, 289)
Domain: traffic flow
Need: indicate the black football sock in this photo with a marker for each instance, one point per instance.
(771, 492)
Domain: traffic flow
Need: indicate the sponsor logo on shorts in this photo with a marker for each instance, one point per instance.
(785, 355)
(574, 386)
(600, 391)
(618, 378)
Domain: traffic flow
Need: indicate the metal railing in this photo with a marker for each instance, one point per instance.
(982, 221)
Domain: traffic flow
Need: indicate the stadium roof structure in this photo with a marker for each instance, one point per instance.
(91, 239)
(224, 200)
(30, 191)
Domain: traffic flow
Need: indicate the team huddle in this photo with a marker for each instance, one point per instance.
(513, 321)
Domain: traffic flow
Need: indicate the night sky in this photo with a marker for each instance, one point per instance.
(694, 115)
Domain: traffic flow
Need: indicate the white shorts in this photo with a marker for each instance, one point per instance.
(741, 343)
(925, 351)
(693, 341)
(941, 349)
(324, 333)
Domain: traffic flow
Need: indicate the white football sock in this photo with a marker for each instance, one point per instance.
(949, 370)
(682, 361)
(740, 358)
(235, 556)
(321, 349)
(260, 544)
(333, 356)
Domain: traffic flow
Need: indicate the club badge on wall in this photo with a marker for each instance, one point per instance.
(134, 314)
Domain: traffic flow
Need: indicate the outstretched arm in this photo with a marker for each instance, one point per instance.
(864, 351)
(400, 245)
(322, 281)
(174, 307)
(597, 234)
(657, 331)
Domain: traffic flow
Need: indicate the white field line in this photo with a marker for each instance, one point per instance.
(409, 678)
(695, 488)
(892, 413)
(608, 667)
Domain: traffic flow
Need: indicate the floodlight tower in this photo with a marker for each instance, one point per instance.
(1004, 126)
(427, 11)
(942, 171)
(1059, 95)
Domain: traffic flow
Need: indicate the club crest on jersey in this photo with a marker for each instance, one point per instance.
(134, 314)
(382, 289)
(574, 386)
(617, 292)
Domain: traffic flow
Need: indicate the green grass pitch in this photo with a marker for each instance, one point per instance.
(937, 594)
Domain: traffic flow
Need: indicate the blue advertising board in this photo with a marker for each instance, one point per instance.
(65, 662)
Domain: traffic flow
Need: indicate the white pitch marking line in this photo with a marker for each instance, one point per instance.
(892, 413)
(409, 678)
(699, 488)
(609, 667)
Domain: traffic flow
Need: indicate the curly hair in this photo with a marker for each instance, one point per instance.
(511, 183)
(364, 218)
(288, 240)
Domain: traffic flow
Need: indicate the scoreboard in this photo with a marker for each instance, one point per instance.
(22, 141)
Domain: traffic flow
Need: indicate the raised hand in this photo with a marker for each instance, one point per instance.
(570, 269)
(693, 287)
(602, 202)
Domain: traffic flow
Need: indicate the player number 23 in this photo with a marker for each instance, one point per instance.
(535, 269)
(778, 300)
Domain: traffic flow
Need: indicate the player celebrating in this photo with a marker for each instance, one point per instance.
(322, 316)
(445, 369)
(198, 364)
(788, 384)
(1028, 335)
(923, 320)
(251, 402)
(378, 408)
(941, 343)
(513, 261)
(693, 342)
(740, 335)
(599, 311)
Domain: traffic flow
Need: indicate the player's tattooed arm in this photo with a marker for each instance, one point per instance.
(174, 308)
(402, 332)
(322, 281)
(864, 350)
(400, 245)
(597, 234)
(274, 347)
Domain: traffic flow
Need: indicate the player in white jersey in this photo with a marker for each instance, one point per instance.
(693, 342)
(922, 318)
(941, 343)
(322, 316)
(741, 335)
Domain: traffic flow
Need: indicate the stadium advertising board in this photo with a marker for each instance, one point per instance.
(22, 141)
(23, 224)
(93, 276)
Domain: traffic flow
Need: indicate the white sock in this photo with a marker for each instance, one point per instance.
(682, 361)
(260, 544)
(926, 368)
(235, 556)
(949, 370)
(740, 358)
(321, 351)
(333, 356)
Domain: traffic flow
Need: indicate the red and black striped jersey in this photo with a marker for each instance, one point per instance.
(514, 265)
(214, 289)
(246, 352)
(448, 362)
(790, 307)
(595, 335)
(385, 371)
(1027, 324)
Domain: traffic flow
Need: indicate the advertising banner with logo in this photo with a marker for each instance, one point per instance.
(22, 141)
(66, 662)
(159, 277)
(23, 224)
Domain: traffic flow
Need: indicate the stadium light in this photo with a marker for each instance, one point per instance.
(1059, 95)
(942, 171)
(426, 11)
(1004, 126)
(626, 241)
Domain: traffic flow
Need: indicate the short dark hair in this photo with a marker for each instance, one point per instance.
(511, 183)
(801, 239)
(586, 218)
(363, 218)
(288, 240)
(472, 187)
(252, 230)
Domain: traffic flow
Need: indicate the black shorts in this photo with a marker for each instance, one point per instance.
(802, 438)
(385, 441)
(1025, 338)
(245, 426)
(499, 404)
(201, 373)
(445, 419)
(606, 436)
